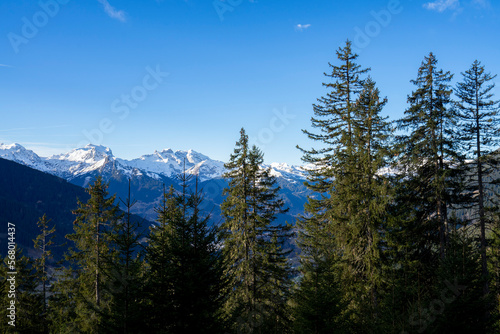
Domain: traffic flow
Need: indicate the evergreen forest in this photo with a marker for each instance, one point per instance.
(400, 235)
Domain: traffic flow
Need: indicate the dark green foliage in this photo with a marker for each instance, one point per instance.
(344, 221)
(126, 274)
(464, 305)
(44, 243)
(29, 313)
(428, 154)
(397, 236)
(254, 247)
(479, 130)
(317, 302)
(185, 268)
(158, 257)
(84, 286)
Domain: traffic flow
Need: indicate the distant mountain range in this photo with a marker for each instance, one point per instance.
(150, 173)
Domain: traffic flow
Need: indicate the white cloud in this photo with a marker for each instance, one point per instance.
(442, 5)
(302, 27)
(3, 65)
(112, 11)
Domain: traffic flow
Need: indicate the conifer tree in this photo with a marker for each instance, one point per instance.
(29, 316)
(317, 303)
(253, 245)
(333, 118)
(343, 221)
(480, 135)
(429, 151)
(43, 243)
(84, 287)
(159, 284)
(186, 267)
(367, 198)
(429, 187)
(126, 273)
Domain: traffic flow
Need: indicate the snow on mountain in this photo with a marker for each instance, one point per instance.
(90, 154)
(287, 171)
(19, 154)
(80, 161)
(168, 163)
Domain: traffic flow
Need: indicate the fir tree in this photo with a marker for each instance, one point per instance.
(317, 303)
(253, 245)
(159, 285)
(84, 285)
(126, 273)
(43, 243)
(29, 305)
(333, 117)
(366, 201)
(461, 310)
(429, 150)
(429, 187)
(186, 267)
(479, 131)
(343, 222)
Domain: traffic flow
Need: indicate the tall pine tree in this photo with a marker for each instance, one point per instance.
(333, 117)
(43, 243)
(126, 275)
(342, 225)
(253, 245)
(429, 188)
(185, 282)
(82, 291)
(480, 135)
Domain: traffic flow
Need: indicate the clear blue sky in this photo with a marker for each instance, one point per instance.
(84, 66)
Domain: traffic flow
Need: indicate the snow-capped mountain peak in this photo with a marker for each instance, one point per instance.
(89, 154)
(287, 171)
(170, 163)
(19, 154)
(166, 163)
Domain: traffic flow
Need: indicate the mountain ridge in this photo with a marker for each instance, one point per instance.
(166, 163)
(150, 173)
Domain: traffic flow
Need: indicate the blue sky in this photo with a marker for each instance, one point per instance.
(139, 76)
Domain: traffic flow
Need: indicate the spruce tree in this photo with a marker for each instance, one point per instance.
(429, 187)
(317, 302)
(333, 118)
(43, 243)
(185, 281)
(84, 287)
(126, 273)
(343, 222)
(253, 245)
(159, 285)
(464, 308)
(366, 202)
(429, 151)
(29, 312)
(480, 135)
